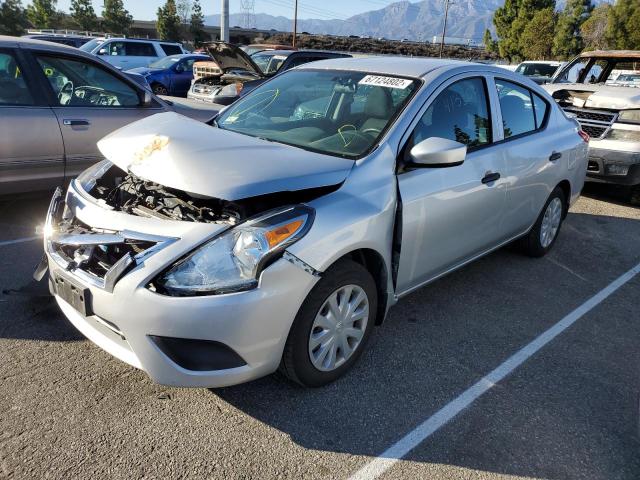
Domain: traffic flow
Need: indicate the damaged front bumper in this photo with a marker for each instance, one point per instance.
(203, 341)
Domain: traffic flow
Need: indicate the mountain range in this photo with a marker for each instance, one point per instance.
(411, 20)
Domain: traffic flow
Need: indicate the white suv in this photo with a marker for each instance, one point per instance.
(126, 53)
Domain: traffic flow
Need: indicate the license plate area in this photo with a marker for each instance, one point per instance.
(73, 293)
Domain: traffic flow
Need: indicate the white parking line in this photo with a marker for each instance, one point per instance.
(402, 447)
(19, 240)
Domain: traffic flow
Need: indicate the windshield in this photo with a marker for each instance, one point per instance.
(334, 112)
(165, 62)
(269, 62)
(611, 71)
(91, 45)
(536, 69)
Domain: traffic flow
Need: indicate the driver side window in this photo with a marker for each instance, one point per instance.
(80, 83)
(460, 113)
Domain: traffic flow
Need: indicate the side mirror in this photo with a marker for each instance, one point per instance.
(438, 152)
(147, 99)
(179, 68)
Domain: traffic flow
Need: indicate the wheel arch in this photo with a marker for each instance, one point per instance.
(565, 186)
(375, 264)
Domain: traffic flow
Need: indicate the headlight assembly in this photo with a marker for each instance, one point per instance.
(233, 261)
(629, 116)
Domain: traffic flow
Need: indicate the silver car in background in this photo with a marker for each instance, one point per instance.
(56, 102)
(279, 235)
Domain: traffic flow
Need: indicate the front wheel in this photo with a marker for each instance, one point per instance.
(541, 238)
(332, 326)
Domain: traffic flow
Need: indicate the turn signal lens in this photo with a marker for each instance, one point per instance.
(584, 135)
(283, 232)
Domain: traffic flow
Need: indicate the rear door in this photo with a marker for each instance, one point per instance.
(31, 148)
(532, 154)
(89, 102)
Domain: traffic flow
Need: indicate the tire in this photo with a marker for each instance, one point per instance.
(297, 363)
(534, 243)
(159, 89)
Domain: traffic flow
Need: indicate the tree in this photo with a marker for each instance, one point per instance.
(42, 13)
(622, 26)
(115, 19)
(12, 18)
(511, 20)
(568, 40)
(537, 36)
(489, 43)
(184, 9)
(594, 29)
(168, 24)
(197, 25)
(83, 13)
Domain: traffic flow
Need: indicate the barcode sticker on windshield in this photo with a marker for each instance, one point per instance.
(390, 82)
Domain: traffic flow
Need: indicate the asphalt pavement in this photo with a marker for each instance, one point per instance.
(570, 411)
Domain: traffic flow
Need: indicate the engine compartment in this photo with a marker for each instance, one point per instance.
(136, 196)
(128, 193)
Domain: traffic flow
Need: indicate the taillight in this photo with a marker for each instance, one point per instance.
(584, 135)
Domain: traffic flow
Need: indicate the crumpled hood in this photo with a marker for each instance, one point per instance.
(188, 155)
(604, 96)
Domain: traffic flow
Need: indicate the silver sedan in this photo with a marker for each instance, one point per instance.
(279, 235)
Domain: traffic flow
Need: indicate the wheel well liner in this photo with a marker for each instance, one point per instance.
(566, 189)
(375, 265)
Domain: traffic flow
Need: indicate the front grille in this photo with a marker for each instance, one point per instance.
(593, 131)
(99, 257)
(595, 122)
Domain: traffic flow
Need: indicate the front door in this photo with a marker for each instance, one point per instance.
(31, 149)
(450, 215)
(91, 102)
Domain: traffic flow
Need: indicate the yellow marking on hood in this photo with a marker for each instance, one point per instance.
(157, 144)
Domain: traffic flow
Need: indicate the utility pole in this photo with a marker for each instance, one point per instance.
(295, 23)
(224, 21)
(444, 28)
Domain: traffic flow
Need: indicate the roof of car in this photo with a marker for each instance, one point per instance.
(612, 54)
(6, 41)
(391, 65)
(543, 62)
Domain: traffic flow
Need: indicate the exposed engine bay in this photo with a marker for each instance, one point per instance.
(136, 196)
(568, 98)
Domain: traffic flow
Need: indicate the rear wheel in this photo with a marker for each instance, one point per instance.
(332, 326)
(541, 238)
(159, 89)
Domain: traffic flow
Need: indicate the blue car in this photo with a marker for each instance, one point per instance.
(171, 75)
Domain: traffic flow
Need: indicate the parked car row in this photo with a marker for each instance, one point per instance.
(276, 235)
(236, 72)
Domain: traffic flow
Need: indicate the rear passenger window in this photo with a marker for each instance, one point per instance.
(13, 89)
(170, 49)
(460, 113)
(522, 110)
(140, 49)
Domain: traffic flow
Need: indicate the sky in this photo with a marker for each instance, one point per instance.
(322, 9)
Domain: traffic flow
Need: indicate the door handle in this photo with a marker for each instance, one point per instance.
(555, 156)
(75, 122)
(490, 177)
